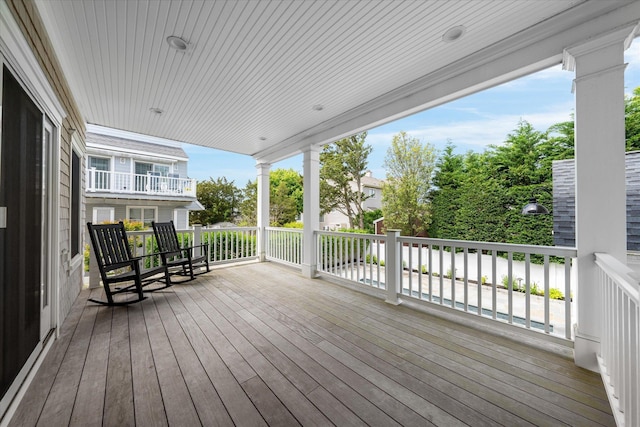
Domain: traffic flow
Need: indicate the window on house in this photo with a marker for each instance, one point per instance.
(372, 193)
(100, 178)
(148, 176)
(142, 214)
(76, 194)
(103, 214)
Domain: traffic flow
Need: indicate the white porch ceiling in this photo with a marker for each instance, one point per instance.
(255, 69)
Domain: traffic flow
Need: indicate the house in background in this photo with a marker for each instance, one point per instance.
(138, 178)
(371, 188)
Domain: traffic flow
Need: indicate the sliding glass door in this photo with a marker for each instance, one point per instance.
(22, 195)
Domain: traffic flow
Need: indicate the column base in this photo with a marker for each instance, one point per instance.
(585, 350)
(309, 271)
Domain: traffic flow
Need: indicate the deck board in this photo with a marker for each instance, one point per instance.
(259, 344)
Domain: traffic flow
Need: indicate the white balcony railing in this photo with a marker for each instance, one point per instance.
(528, 286)
(284, 245)
(129, 183)
(619, 357)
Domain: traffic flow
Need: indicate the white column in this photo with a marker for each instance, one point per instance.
(263, 207)
(197, 240)
(311, 209)
(393, 268)
(600, 175)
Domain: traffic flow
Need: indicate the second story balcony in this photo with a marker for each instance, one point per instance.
(152, 183)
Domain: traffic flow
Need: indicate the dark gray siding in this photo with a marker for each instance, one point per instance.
(564, 207)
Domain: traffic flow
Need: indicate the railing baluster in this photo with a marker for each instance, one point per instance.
(453, 276)
(430, 278)
(479, 287)
(527, 290)
(510, 286)
(420, 270)
(547, 297)
(441, 252)
(494, 299)
(465, 266)
(410, 266)
(567, 297)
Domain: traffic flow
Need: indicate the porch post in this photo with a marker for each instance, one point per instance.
(263, 208)
(311, 209)
(393, 269)
(600, 174)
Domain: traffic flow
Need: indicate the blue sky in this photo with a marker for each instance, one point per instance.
(471, 123)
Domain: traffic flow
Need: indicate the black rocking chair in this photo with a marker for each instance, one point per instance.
(117, 265)
(179, 260)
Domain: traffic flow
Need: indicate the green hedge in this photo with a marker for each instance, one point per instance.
(343, 249)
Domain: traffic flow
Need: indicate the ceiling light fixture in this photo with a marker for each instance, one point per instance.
(178, 43)
(156, 110)
(454, 33)
(318, 107)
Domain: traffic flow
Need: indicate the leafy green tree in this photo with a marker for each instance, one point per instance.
(248, 205)
(220, 199)
(285, 199)
(282, 207)
(368, 218)
(292, 182)
(342, 166)
(632, 120)
(405, 201)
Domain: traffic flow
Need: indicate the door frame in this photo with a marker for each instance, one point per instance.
(17, 56)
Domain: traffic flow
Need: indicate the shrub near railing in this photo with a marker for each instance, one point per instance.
(355, 256)
(284, 245)
(229, 245)
(342, 248)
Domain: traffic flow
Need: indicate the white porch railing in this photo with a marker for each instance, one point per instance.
(619, 357)
(129, 183)
(284, 245)
(232, 244)
(510, 283)
(356, 257)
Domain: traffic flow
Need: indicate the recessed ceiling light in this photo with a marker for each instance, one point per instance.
(263, 138)
(155, 110)
(178, 43)
(318, 107)
(454, 33)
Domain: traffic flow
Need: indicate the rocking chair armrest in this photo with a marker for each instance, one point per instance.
(128, 263)
(152, 255)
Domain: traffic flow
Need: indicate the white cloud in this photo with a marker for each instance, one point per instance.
(490, 129)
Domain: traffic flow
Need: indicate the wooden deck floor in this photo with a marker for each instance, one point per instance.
(259, 344)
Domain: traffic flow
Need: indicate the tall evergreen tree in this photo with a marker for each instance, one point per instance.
(448, 178)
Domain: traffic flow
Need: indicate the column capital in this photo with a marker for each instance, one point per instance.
(263, 167)
(312, 149)
(623, 34)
